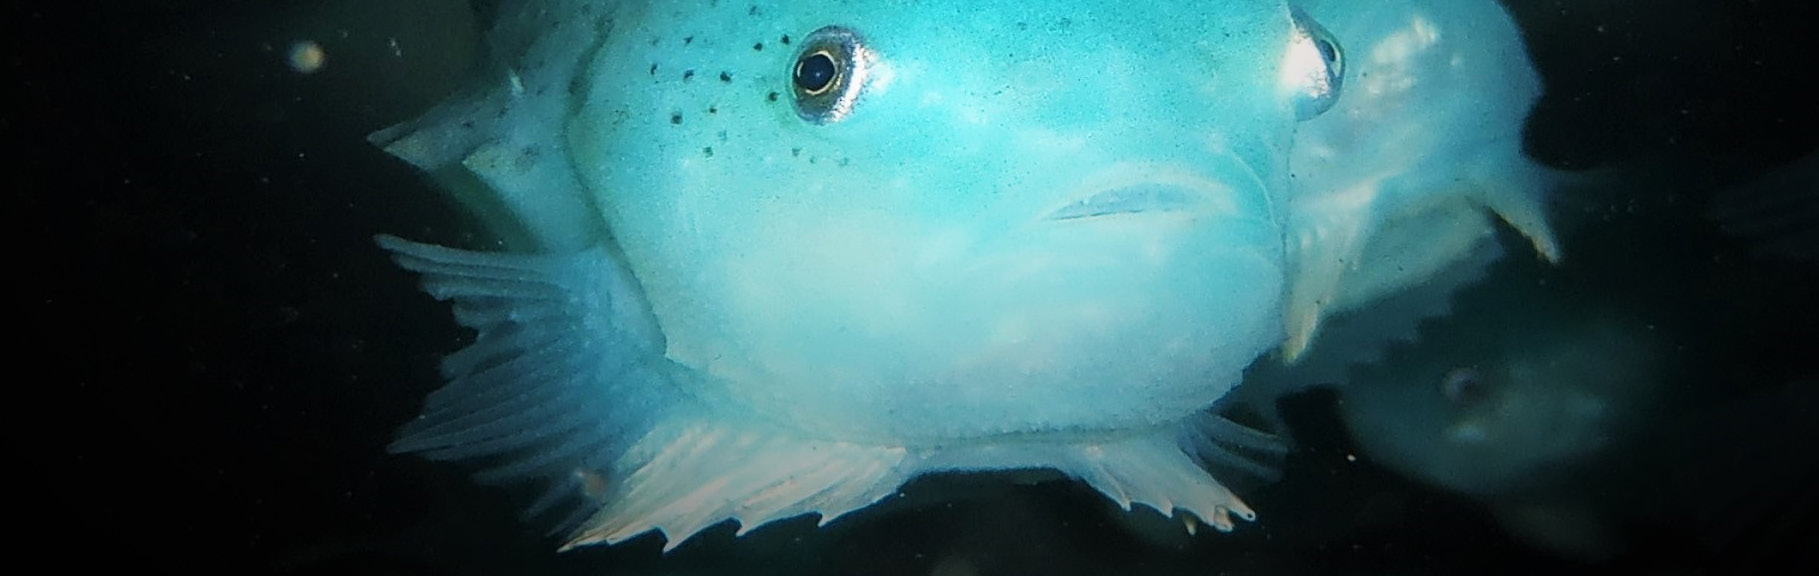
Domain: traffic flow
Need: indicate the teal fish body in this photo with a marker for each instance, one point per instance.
(777, 258)
(1020, 209)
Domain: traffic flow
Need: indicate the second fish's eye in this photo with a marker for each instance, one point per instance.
(829, 74)
(1314, 71)
(1463, 386)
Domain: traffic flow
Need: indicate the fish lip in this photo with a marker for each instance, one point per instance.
(1137, 198)
(1144, 190)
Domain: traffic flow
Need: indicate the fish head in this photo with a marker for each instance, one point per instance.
(943, 219)
(1508, 406)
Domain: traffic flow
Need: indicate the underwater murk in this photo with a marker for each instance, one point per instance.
(946, 287)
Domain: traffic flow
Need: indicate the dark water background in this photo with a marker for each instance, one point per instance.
(213, 354)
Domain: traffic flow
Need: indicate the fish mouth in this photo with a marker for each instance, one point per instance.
(1132, 199)
(1145, 190)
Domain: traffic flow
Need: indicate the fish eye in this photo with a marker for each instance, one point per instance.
(1314, 70)
(815, 73)
(830, 72)
(1463, 386)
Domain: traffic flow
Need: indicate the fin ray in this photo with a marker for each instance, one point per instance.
(561, 374)
(758, 473)
(1154, 471)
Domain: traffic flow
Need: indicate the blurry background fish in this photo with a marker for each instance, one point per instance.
(1616, 398)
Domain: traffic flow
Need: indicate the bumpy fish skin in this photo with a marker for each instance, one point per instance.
(1402, 180)
(496, 145)
(1036, 235)
(1042, 237)
(907, 252)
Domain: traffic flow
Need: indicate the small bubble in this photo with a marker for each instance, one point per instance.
(307, 57)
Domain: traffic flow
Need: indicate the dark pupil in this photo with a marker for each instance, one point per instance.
(814, 72)
(1326, 50)
(1461, 385)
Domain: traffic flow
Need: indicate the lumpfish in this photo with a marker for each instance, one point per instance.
(782, 257)
(1560, 398)
(1515, 387)
(1528, 391)
(1401, 183)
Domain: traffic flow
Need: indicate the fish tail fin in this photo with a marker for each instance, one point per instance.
(1778, 213)
(560, 373)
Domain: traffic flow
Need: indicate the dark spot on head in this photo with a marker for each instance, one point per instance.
(1464, 386)
(675, 117)
(688, 75)
(707, 152)
(726, 77)
(786, 39)
(772, 97)
(759, 47)
(526, 158)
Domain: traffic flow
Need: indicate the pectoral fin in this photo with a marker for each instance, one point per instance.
(1361, 245)
(694, 472)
